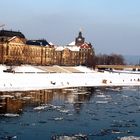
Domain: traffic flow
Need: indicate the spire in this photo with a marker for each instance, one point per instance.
(80, 34)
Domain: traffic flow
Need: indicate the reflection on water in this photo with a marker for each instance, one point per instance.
(70, 114)
(14, 102)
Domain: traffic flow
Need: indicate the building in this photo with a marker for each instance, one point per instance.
(15, 49)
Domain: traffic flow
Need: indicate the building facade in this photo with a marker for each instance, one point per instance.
(15, 49)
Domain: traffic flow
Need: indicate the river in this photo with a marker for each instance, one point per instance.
(70, 114)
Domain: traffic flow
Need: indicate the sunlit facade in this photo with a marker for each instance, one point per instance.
(16, 49)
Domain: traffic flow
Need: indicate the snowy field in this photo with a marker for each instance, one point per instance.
(33, 78)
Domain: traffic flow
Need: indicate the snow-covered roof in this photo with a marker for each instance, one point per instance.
(59, 48)
(85, 45)
(71, 48)
(51, 43)
(74, 48)
(72, 43)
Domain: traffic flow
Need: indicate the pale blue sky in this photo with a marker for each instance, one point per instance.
(112, 26)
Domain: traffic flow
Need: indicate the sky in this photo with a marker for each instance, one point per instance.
(111, 26)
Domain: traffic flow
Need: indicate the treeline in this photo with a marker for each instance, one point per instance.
(112, 59)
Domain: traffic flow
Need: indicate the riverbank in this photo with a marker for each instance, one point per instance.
(40, 77)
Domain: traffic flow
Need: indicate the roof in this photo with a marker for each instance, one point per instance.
(6, 33)
(41, 42)
(72, 48)
(51, 43)
(85, 46)
(72, 43)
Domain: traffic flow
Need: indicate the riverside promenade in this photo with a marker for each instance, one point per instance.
(28, 77)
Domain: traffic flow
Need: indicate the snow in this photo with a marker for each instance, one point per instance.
(59, 48)
(72, 48)
(2, 67)
(6, 96)
(83, 69)
(27, 78)
(27, 68)
(72, 43)
(51, 43)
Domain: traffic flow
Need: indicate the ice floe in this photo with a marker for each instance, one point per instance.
(68, 137)
(58, 118)
(40, 107)
(130, 138)
(101, 102)
(10, 115)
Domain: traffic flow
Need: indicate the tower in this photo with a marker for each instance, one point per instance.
(79, 40)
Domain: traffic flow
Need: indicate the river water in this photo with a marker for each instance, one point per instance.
(70, 114)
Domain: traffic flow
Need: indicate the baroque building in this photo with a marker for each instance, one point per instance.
(15, 49)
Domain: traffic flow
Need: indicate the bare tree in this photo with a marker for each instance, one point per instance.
(113, 59)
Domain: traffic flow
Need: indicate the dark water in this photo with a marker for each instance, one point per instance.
(70, 114)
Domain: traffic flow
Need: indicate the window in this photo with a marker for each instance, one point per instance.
(7, 49)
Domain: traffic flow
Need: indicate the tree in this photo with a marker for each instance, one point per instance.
(113, 59)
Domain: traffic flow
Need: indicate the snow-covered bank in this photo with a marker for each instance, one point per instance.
(32, 78)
